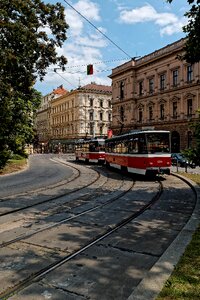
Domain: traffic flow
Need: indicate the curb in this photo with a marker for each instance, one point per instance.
(153, 282)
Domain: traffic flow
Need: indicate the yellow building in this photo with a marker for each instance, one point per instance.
(81, 113)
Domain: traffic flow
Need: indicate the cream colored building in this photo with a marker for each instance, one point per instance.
(42, 121)
(158, 91)
(82, 113)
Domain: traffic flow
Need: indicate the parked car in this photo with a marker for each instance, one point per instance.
(178, 159)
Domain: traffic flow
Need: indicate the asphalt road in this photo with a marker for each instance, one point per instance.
(41, 172)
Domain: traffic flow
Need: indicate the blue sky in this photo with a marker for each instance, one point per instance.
(135, 27)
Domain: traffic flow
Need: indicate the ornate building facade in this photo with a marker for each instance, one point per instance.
(81, 113)
(158, 91)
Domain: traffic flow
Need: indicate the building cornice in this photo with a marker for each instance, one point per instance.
(149, 58)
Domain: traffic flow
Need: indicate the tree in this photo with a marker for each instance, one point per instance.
(192, 30)
(194, 153)
(30, 33)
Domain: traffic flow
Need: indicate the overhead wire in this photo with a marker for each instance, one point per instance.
(98, 62)
(97, 29)
(77, 72)
(65, 79)
(84, 65)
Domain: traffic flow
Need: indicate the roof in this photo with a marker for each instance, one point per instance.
(93, 87)
(60, 91)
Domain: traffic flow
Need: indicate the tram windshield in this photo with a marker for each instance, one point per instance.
(157, 142)
(96, 146)
(90, 146)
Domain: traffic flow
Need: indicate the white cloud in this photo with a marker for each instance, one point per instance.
(174, 27)
(88, 9)
(75, 23)
(81, 48)
(142, 14)
(168, 22)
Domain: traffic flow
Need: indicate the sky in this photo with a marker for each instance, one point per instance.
(110, 33)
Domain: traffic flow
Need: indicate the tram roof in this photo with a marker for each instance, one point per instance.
(90, 140)
(135, 132)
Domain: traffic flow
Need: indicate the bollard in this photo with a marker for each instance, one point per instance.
(185, 168)
(177, 165)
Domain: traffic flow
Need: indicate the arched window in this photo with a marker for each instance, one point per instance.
(175, 142)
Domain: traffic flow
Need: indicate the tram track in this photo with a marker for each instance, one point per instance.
(44, 271)
(74, 217)
(96, 206)
(66, 205)
(27, 196)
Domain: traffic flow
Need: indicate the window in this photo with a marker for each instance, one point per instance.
(121, 114)
(109, 103)
(101, 116)
(150, 113)
(140, 115)
(122, 85)
(189, 107)
(162, 111)
(162, 81)
(141, 88)
(91, 129)
(101, 103)
(175, 77)
(91, 102)
(151, 85)
(109, 117)
(189, 73)
(101, 130)
(91, 116)
(174, 110)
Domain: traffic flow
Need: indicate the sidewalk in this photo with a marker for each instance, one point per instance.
(187, 170)
(153, 282)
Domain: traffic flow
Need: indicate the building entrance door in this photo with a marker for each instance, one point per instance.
(175, 142)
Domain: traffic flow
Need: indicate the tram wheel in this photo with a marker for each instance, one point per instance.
(107, 165)
(124, 169)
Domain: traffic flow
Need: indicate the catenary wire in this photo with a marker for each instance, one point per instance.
(97, 29)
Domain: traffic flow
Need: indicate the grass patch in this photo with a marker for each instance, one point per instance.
(184, 282)
(194, 177)
(14, 165)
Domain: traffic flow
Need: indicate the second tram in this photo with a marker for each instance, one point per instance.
(92, 150)
(145, 152)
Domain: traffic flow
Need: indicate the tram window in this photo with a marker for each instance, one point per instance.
(92, 147)
(86, 147)
(125, 146)
(78, 147)
(142, 146)
(110, 147)
(118, 147)
(101, 147)
(158, 142)
(133, 146)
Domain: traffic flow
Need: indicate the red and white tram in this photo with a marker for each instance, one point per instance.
(92, 150)
(145, 152)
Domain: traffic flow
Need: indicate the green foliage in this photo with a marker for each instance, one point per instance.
(192, 46)
(194, 153)
(26, 52)
(16, 156)
(183, 283)
(4, 157)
